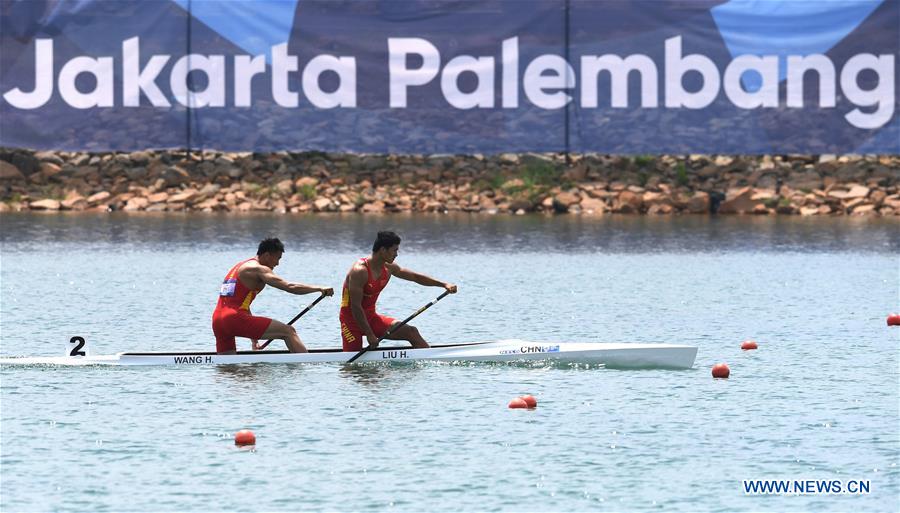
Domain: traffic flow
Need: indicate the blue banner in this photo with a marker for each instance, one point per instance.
(452, 76)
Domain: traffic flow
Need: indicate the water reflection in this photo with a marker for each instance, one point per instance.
(377, 375)
(455, 232)
(256, 373)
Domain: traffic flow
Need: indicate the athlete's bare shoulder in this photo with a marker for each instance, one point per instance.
(251, 272)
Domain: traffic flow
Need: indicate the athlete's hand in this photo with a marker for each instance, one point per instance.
(328, 291)
(373, 341)
(451, 288)
(255, 344)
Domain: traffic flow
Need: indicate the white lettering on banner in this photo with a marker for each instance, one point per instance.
(214, 69)
(403, 77)
(345, 95)
(548, 81)
(136, 80)
(101, 96)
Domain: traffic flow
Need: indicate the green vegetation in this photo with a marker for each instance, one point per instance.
(681, 176)
(642, 178)
(308, 192)
(643, 161)
(13, 198)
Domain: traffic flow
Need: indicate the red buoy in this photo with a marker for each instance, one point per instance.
(748, 345)
(530, 401)
(244, 437)
(893, 320)
(518, 402)
(720, 370)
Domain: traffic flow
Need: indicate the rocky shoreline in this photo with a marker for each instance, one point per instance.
(283, 182)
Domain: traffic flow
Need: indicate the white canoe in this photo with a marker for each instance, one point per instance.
(623, 356)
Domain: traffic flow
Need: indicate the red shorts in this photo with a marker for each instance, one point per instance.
(228, 323)
(352, 335)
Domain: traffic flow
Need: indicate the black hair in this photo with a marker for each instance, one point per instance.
(385, 240)
(270, 245)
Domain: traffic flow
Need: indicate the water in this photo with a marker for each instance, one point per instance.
(820, 399)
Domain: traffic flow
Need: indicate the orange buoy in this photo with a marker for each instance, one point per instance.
(720, 370)
(518, 402)
(530, 401)
(893, 320)
(748, 345)
(244, 437)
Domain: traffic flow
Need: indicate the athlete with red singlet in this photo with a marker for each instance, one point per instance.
(365, 281)
(232, 317)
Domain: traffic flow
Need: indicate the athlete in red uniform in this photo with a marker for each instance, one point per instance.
(365, 281)
(232, 317)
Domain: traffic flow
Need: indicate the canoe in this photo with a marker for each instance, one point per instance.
(612, 355)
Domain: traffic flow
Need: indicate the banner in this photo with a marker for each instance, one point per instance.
(452, 76)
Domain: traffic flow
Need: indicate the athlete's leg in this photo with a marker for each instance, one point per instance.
(411, 334)
(287, 333)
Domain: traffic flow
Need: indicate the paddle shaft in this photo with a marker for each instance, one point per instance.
(397, 327)
(299, 315)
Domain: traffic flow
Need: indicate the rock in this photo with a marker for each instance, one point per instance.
(521, 203)
(184, 196)
(763, 195)
(857, 191)
(698, 203)
(175, 176)
(9, 172)
(49, 156)
(136, 173)
(306, 181)
(563, 201)
(26, 163)
(159, 197)
(593, 206)
(862, 210)
(100, 197)
(210, 189)
(49, 169)
(44, 204)
(373, 208)
(809, 211)
(738, 201)
(628, 202)
(136, 203)
(74, 202)
(322, 205)
(807, 181)
(660, 208)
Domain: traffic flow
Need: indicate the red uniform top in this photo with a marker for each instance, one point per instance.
(232, 317)
(233, 293)
(371, 290)
(351, 333)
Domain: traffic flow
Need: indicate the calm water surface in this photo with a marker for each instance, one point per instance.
(820, 399)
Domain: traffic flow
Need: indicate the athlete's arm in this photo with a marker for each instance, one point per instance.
(421, 279)
(270, 278)
(355, 284)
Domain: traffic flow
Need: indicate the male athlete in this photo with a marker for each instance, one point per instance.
(365, 281)
(232, 317)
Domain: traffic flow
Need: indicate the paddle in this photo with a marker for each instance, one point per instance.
(299, 315)
(397, 327)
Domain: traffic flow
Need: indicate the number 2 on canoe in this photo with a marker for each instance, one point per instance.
(76, 351)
